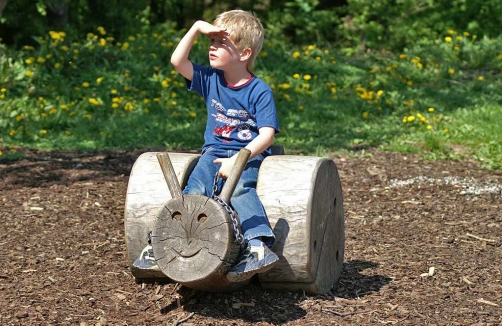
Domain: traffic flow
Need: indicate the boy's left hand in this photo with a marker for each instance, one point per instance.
(226, 166)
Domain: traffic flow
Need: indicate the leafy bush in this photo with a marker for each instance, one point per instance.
(101, 92)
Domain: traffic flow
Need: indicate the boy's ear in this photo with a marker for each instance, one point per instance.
(246, 54)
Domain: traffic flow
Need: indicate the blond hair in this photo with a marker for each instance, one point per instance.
(246, 31)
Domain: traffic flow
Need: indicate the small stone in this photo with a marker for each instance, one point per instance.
(21, 314)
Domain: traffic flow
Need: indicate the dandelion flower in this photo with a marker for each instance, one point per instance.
(296, 54)
(43, 131)
(307, 77)
(431, 110)
(3, 90)
(85, 84)
(451, 71)
(99, 80)
(300, 107)
(365, 115)
(29, 73)
(296, 76)
(429, 127)
(448, 39)
(57, 65)
(481, 78)
(192, 114)
(93, 101)
(411, 118)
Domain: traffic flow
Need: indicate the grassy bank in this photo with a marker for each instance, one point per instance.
(442, 98)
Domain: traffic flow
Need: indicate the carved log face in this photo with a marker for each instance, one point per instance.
(193, 239)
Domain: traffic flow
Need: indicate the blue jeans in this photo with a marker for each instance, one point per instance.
(244, 201)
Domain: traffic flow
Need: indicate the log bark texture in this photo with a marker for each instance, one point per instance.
(303, 200)
(147, 192)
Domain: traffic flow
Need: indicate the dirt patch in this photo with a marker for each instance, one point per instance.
(423, 246)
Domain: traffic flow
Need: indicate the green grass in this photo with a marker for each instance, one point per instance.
(442, 99)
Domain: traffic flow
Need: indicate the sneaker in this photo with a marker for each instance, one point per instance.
(255, 259)
(146, 260)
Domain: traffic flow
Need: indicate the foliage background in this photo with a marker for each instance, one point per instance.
(402, 74)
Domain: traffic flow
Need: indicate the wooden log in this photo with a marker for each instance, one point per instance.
(193, 237)
(147, 191)
(303, 200)
(194, 243)
(302, 197)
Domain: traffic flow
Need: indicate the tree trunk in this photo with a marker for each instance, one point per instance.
(3, 3)
(57, 15)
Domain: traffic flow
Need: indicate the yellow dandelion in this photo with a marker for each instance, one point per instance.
(63, 107)
(53, 111)
(451, 31)
(379, 93)
(85, 84)
(99, 80)
(29, 61)
(67, 133)
(12, 133)
(365, 115)
(88, 117)
(307, 77)
(43, 132)
(318, 58)
(431, 110)
(448, 39)
(296, 76)
(481, 78)
(93, 101)
(446, 130)
(403, 56)
(115, 105)
(146, 101)
(333, 90)
(296, 54)
(411, 118)
(57, 65)
(429, 127)
(29, 47)
(3, 90)
(113, 91)
(29, 73)
(451, 71)
(192, 114)
(466, 34)
(102, 42)
(500, 56)
(300, 107)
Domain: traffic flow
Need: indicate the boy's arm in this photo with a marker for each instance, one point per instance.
(256, 146)
(179, 58)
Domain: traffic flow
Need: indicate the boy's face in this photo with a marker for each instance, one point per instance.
(223, 53)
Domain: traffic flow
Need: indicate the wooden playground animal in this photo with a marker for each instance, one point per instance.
(194, 237)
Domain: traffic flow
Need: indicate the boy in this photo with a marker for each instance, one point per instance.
(241, 114)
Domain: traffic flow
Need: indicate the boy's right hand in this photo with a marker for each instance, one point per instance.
(209, 29)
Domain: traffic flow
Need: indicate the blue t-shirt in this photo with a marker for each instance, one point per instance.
(234, 114)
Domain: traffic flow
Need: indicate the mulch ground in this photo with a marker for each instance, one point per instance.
(423, 247)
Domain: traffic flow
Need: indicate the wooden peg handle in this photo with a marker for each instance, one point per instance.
(169, 174)
(235, 174)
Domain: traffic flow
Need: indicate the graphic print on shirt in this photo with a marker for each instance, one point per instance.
(232, 119)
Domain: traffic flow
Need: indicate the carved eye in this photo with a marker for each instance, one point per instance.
(202, 218)
(176, 216)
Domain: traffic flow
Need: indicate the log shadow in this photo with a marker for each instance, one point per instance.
(353, 285)
(250, 304)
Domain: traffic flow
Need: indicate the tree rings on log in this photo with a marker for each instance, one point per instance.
(194, 243)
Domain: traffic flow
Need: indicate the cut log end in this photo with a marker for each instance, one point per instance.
(193, 242)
